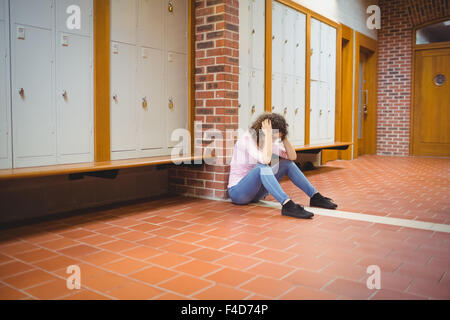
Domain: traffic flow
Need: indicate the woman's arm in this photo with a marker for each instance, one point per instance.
(292, 155)
(267, 149)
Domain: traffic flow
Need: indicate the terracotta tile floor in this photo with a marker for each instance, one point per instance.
(400, 187)
(185, 248)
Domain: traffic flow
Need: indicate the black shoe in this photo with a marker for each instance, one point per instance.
(292, 209)
(320, 201)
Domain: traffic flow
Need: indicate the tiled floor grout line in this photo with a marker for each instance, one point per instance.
(53, 273)
(169, 268)
(21, 290)
(101, 267)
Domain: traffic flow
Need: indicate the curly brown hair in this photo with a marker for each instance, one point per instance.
(278, 123)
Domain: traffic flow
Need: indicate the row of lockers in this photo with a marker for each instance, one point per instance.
(323, 82)
(158, 24)
(46, 83)
(288, 70)
(251, 61)
(47, 94)
(288, 40)
(149, 85)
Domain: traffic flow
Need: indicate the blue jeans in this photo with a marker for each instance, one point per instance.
(261, 180)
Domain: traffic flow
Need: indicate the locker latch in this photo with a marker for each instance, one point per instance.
(285, 111)
(115, 98)
(170, 103)
(296, 110)
(64, 94)
(144, 102)
(20, 33)
(170, 7)
(21, 92)
(253, 109)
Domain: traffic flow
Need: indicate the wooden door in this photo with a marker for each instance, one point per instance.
(366, 117)
(431, 112)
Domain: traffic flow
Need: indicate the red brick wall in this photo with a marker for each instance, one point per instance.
(398, 18)
(216, 95)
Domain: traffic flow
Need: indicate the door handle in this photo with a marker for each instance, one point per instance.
(366, 97)
(253, 109)
(171, 104)
(365, 109)
(170, 8)
(64, 95)
(21, 92)
(115, 98)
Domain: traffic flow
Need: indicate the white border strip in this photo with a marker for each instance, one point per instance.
(368, 218)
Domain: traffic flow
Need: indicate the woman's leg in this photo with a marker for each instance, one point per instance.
(288, 167)
(249, 186)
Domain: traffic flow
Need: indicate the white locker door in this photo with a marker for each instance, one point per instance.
(37, 13)
(150, 99)
(288, 100)
(331, 54)
(314, 113)
(300, 44)
(74, 104)
(324, 95)
(4, 9)
(177, 94)
(277, 37)
(65, 20)
(177, 25)
(315, 49)
(150, 25)
(256, 94)
(258, 34)
(289, 41)
(323, 51)
(33, 110)
(123, 21)
(298, 131)
(244, 33)
(277, 92)
(123, 99)
(5, 116)
(244, 92)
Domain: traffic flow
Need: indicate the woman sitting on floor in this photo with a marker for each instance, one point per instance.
(252, 177)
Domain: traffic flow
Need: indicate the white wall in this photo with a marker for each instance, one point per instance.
(352, 13)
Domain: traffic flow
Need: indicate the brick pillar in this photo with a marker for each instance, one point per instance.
(398, 19)
(216, 97)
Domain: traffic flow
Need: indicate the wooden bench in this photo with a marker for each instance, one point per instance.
(106, 169)
(316, 148)
(109, 169)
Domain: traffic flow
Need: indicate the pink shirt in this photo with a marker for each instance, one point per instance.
(246, 155)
